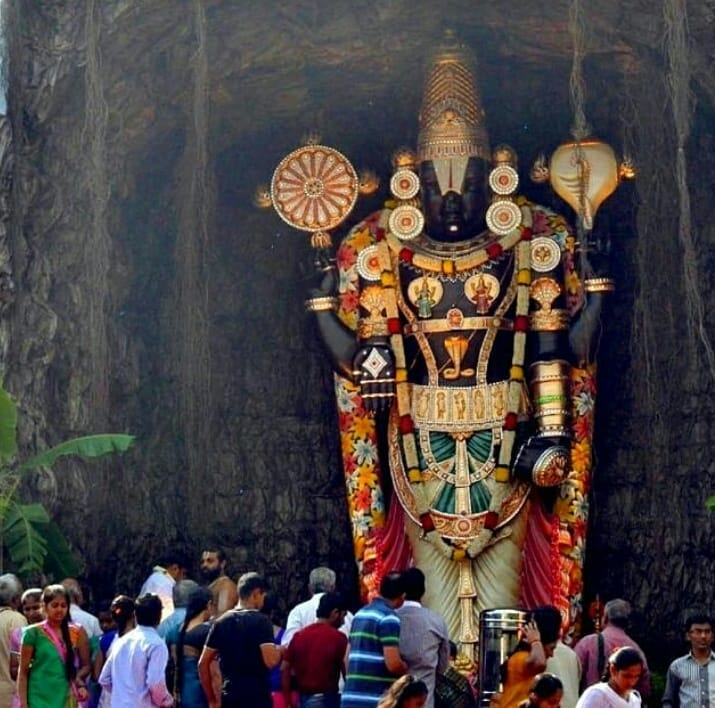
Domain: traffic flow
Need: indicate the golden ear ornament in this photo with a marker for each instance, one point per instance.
(404, 157)
(314, 188)
(503, 180)
(405, 184)
(406, 222)
(368, 182)
(503, 216)
(262, 197)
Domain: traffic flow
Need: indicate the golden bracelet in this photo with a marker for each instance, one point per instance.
(549, 394)
(549, 320)
(372, 328)
(599, 285)
(320, 304)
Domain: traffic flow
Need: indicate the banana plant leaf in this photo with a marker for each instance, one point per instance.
(60, 561)
(24, 541)
(87, 447)
(8, 427)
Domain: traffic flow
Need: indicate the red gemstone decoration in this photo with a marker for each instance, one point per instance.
(495, 250)
(521, 323)
(491, 520)
(407, 425)
(426, 522)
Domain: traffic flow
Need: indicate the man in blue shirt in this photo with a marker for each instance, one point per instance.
(374, 661)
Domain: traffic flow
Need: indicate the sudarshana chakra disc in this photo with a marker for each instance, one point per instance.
(314, 188)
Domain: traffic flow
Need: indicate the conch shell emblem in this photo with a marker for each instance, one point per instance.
(584, 174)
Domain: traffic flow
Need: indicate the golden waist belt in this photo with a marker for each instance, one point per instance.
(459, 408)
(466, 323)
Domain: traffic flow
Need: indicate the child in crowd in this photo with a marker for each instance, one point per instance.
(546, 691)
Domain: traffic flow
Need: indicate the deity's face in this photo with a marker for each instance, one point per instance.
(456, 212)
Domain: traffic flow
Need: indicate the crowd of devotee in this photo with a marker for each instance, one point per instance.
(214, 643)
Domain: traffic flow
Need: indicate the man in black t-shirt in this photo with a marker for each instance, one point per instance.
(242, 639)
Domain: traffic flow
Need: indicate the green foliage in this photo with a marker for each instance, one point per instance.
(8, 427)
(59, 561)
(31, 540)
(87, 448)
(710, 503)
(23, 538)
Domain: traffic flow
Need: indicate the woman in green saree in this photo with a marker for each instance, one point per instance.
(48, 675)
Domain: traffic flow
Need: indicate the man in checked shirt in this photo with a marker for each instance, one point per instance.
(691, 678)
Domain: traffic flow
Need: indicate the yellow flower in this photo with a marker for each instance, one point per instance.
(387, 279)
(581, 456)
(366, 476)
(363, 426)
(573, 284)
(346, 444)
(361, 239)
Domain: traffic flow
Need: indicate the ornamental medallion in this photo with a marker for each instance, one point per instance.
(368, 264)
(404, 184)
(503, 180)
(406, 222)
(503, 217)
(545, 254)
(314, 188)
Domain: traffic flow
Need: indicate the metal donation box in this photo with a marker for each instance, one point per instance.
(498, 636)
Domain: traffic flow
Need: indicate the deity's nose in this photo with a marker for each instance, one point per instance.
(452, 210)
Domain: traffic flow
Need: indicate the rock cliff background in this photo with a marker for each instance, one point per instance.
(142, 292)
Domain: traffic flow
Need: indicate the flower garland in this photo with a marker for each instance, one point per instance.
(458, 264)
(522, 270)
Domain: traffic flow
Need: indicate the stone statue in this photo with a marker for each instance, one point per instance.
(453, 319)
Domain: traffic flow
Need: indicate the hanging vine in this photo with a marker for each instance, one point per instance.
(657, 256)
(96, 187)
(192, 354)
(679, 77)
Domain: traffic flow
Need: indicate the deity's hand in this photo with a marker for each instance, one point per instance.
(595, 255)
(326, 273)
(545, 461)
(374, 371)
(486, 539)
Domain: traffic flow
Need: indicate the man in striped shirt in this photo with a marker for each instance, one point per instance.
(374, 661)
(690, 682)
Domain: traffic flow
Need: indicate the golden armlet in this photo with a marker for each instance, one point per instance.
(372, 327)
(319, 304)
(599, 285)
(549, 395)
(548, 320)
